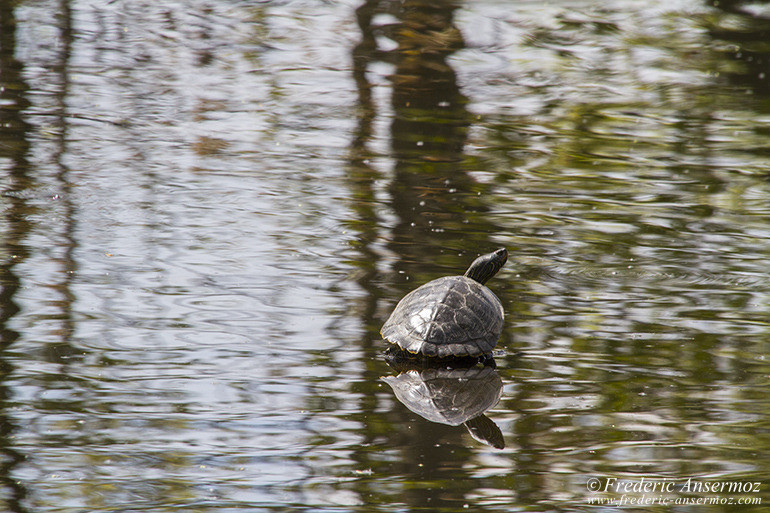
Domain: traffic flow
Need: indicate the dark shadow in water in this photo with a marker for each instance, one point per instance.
(436, 202)
(750, 37)
(64, 351)
(452, 396)
(14, 147)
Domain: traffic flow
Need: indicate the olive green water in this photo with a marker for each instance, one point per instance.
(209, 208)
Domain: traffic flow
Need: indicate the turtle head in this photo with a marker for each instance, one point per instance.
(486, 266)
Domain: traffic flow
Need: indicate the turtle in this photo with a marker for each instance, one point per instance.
(450, 317)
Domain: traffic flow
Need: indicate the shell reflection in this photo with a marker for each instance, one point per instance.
(453, 396)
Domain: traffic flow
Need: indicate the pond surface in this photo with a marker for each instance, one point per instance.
(209, 208)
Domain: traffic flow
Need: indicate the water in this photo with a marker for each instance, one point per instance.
(209, 209)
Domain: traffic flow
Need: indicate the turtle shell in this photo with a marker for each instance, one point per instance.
(452, 316)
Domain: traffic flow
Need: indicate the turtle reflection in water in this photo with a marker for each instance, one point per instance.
(451, 317)
(453, 396)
